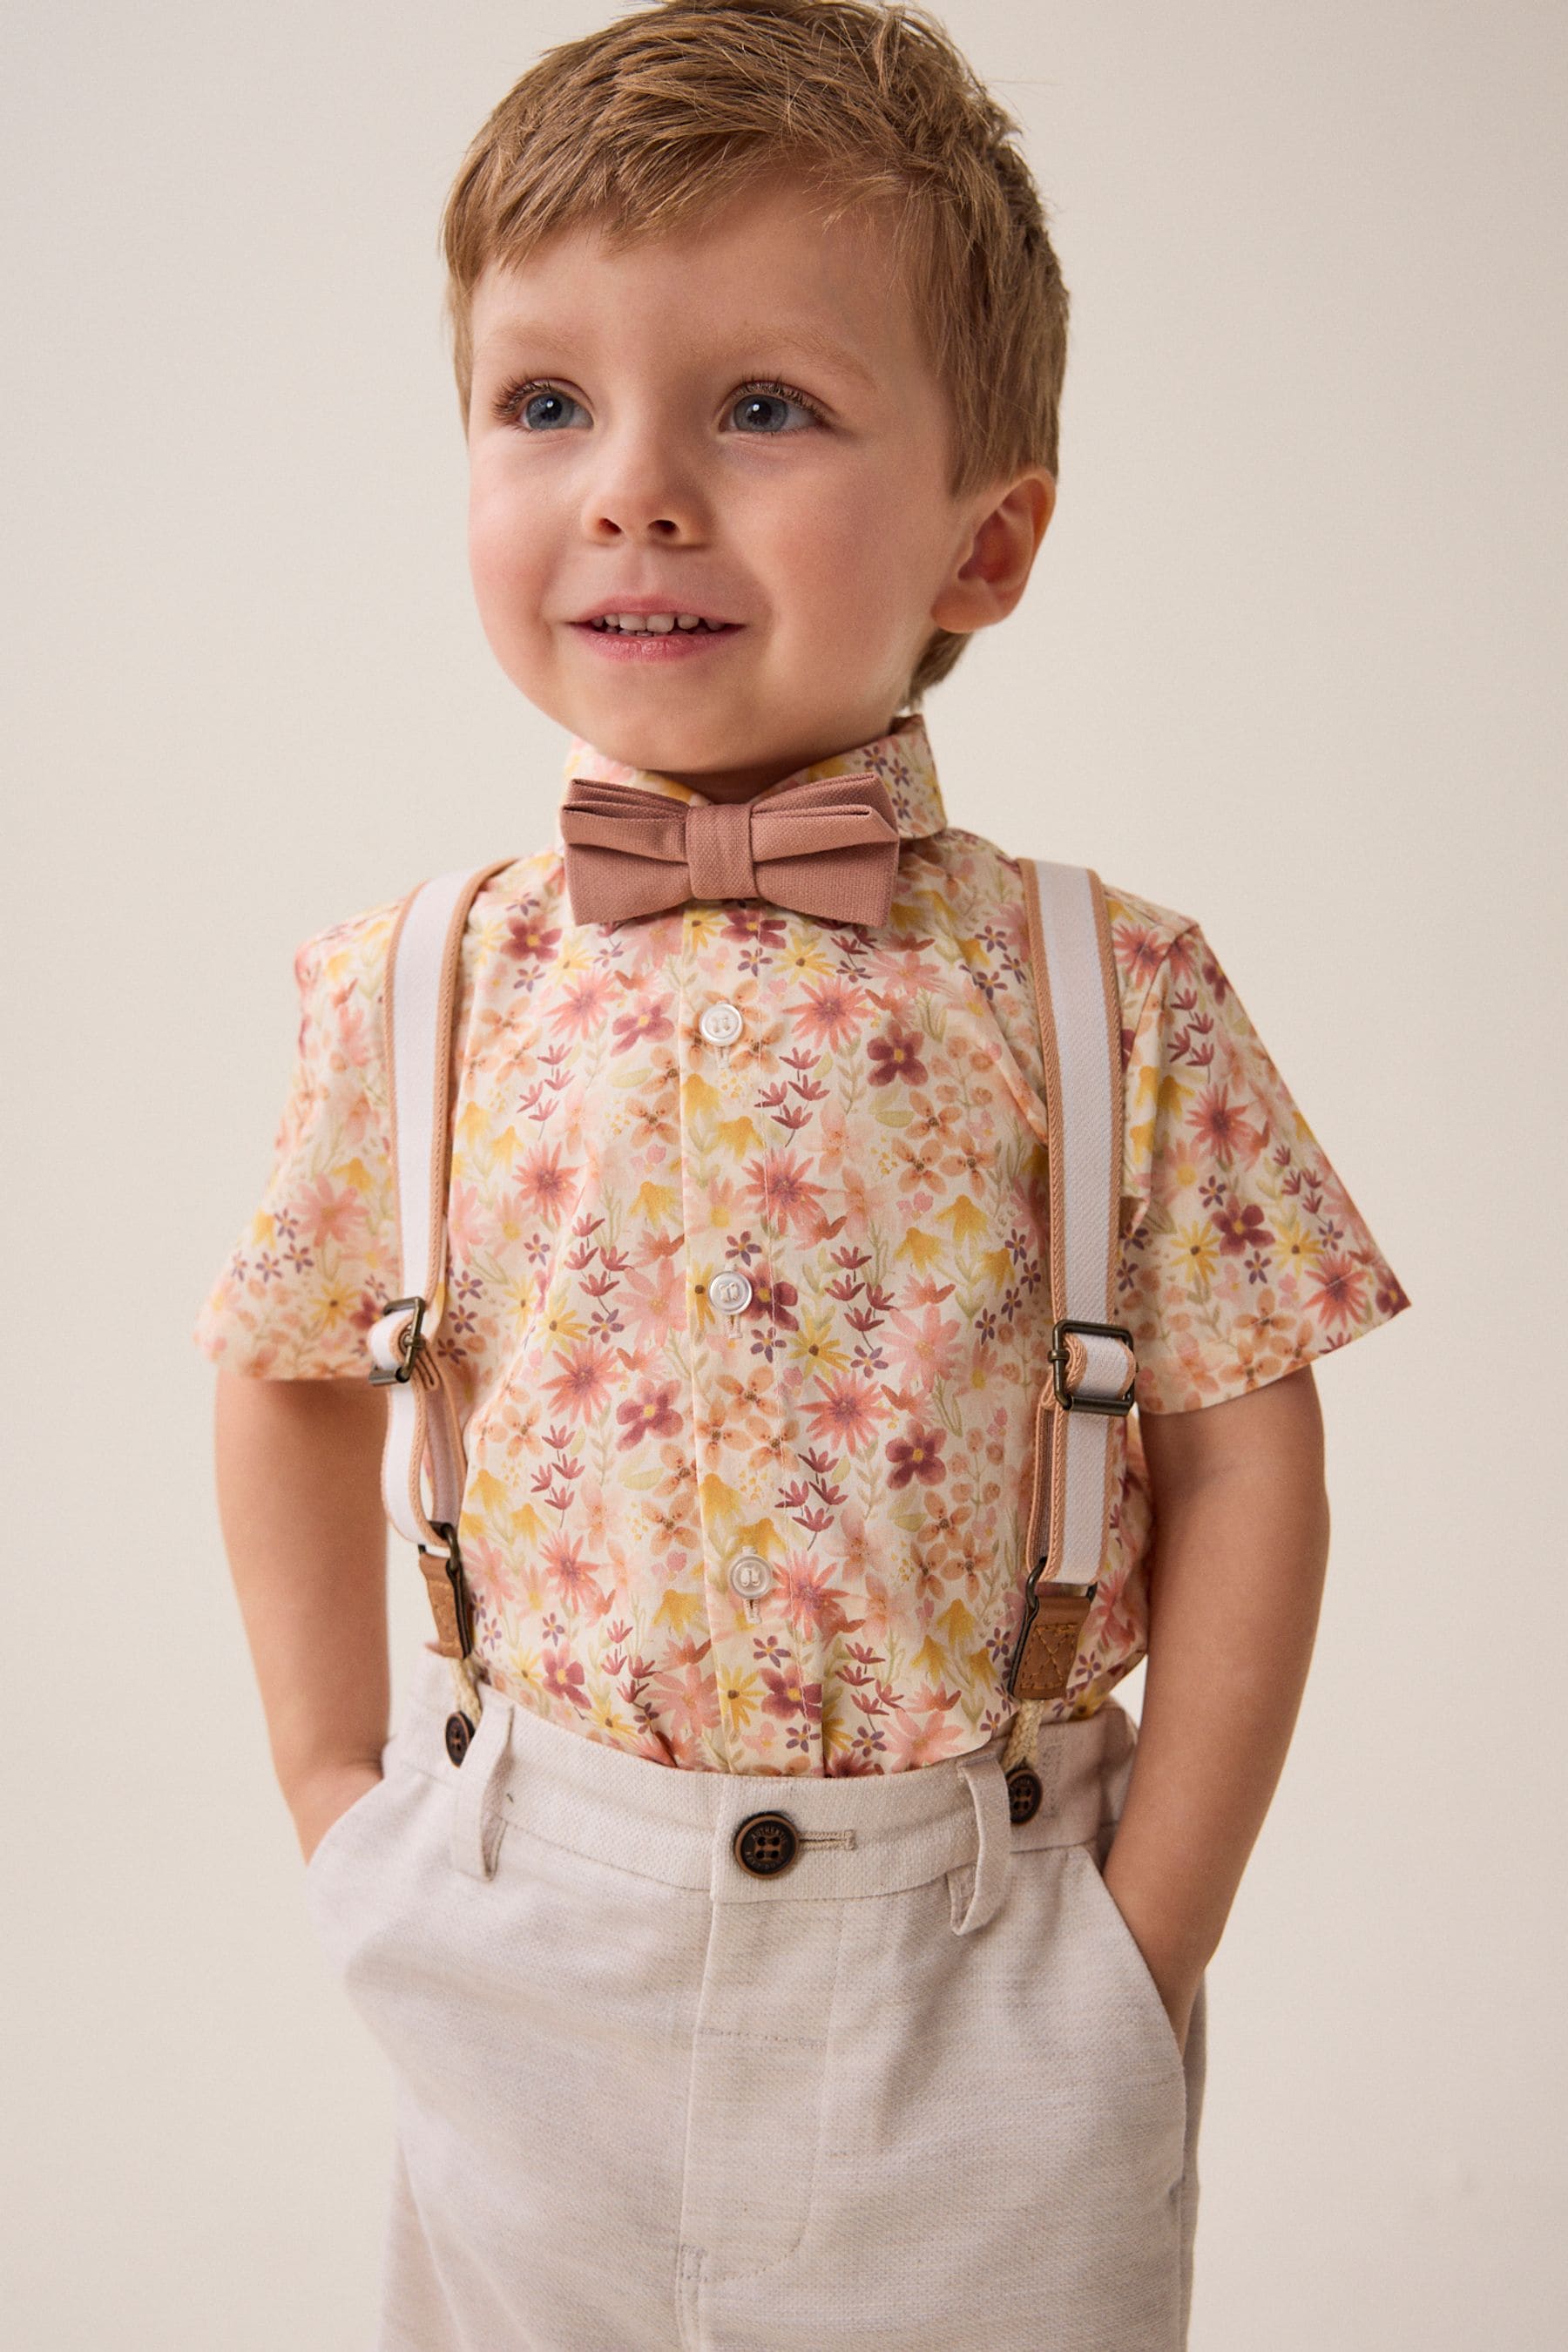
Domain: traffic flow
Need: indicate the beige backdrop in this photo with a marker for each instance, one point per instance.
(1288, 665)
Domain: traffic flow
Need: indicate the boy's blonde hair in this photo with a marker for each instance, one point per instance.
(676, 106)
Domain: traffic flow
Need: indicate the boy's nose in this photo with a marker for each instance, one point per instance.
(612, 524)
(643, 495)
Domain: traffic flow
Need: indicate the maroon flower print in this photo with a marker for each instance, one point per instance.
(918, 1456)
(897, 1055)
(531, 936)
(1240, 1227)
(647, 1020)
(651, 1413)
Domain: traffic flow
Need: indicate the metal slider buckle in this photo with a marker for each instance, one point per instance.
(455, 1577)
(1080, 1401)
(382, 1375)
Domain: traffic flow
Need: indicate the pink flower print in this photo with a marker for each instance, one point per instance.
(653, 1297)
(331, 1213)
(530, 936)
(355, 1034)
(918, 1456)
(781, 1190)
(922, 1737)
(686, 1691)
(1139, 951)
(647, 1020)
(1217, 1123)
(1342, 1295)
(900, 963)
(564, 1679)
(579, 1006)
(924, 1351)
(812, 1602)
(831, 1016)
(845, 1415)
(544, 1186)
(584, 1386)
(570, 1576)
(648, 1414)
(896, 1054)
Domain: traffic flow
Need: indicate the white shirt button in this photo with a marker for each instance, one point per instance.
(730, 1293)
(750, 1575)
(720, 1024)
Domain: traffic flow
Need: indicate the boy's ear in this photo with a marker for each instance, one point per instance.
(993, 570)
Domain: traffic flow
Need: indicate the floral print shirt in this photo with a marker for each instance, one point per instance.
(788, 1538)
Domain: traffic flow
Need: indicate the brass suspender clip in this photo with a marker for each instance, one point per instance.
(1081, 1402)
(462, 1609)
(1060, 1614)
(412, 1340)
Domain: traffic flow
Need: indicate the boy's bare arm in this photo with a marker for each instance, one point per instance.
(298, 1490)
(1236, 1582)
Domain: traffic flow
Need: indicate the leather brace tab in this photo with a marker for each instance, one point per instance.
(1051, 1646)
(448, 1592)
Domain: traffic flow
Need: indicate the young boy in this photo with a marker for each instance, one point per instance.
(760, 341)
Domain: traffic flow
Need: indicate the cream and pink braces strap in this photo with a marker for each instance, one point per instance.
(1076, 1457)
(424, 1434)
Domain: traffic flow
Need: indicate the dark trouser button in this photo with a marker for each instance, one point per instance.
(766, 1844)
(459, 1731)
(1023, 1792)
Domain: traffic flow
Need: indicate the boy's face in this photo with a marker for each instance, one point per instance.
(636, 441)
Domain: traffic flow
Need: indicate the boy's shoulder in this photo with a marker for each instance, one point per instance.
(988, 880)
(353, 951)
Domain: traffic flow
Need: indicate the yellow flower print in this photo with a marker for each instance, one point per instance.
(814, 1345)
(1196, 1247)
(740, 1697)
(801, 958)
(920, 1249)
(1298, 1244)
(558, 1324)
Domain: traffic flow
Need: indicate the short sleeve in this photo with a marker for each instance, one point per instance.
(313, 1267)
(1243, 1255)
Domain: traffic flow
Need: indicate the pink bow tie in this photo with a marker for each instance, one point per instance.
(829, 848)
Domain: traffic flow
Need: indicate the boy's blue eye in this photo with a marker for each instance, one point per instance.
(539, 410)
(772, 397)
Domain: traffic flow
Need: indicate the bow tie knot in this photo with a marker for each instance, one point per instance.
(718, 856)
(826, 846)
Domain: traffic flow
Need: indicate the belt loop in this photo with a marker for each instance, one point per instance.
(982, 1768)
(476, 1816)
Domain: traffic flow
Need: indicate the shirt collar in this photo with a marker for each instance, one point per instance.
(901, 758)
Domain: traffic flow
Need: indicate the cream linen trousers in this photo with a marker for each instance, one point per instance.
(916, 2092)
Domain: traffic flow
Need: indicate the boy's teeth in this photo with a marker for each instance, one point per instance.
(658, 625)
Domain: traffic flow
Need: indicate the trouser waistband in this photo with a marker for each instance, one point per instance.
(870, 1834)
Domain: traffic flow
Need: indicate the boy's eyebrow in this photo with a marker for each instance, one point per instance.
(808, 340)
(814, 343)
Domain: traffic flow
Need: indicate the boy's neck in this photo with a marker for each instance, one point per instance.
(729, 785)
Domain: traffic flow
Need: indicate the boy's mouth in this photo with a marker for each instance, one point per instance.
(656, 637)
